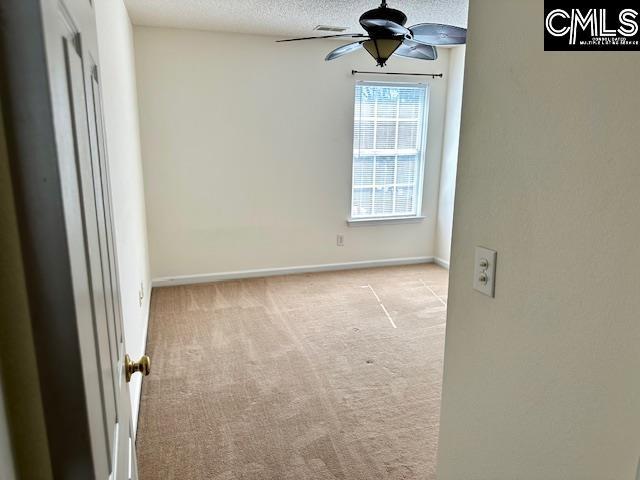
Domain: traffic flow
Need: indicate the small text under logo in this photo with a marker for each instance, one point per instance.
(571, 26)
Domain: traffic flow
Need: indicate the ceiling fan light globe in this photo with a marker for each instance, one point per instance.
(382, 48)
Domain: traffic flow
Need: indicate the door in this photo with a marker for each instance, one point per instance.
(85, 183)
(86, 332)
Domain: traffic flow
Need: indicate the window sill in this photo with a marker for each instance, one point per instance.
(363, 222)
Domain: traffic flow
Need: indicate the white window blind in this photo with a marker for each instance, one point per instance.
(388, 150)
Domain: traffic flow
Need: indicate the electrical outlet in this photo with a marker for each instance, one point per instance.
(340, 240)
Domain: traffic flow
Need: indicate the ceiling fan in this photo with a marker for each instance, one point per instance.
(387, 35)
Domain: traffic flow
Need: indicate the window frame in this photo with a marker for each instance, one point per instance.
(393, 218)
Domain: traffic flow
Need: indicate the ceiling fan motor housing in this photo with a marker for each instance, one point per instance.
(385, 13)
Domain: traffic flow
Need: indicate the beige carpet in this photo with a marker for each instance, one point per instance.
(296, 377)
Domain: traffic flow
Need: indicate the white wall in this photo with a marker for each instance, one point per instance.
(449, 167)
(247, 153)
(120, 101)
(542, 382)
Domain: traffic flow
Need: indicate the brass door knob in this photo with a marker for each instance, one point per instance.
(143, 366)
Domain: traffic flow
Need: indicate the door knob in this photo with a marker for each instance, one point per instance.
(143, 366)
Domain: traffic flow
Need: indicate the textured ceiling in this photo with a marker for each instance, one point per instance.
(284, 17)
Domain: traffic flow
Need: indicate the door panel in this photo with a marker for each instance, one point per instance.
(105, 325)
(104, 175)
(100, 188)
(92, 249)
(70, 128)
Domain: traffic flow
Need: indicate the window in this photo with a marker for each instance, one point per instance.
(388, 150)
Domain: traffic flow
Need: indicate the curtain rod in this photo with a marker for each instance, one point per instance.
(432, 75)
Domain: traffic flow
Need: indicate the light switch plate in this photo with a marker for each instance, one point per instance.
(484, 271)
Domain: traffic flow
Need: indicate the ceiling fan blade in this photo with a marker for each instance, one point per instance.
(343, 50)
(352, 35)
(381, 25)
(413, 49)
(439, 34)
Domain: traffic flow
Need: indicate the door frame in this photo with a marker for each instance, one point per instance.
(33, 161)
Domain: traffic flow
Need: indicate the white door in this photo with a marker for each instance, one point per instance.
(75, 91)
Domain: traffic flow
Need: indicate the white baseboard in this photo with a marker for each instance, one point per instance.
(440, 262)
(270, 272)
